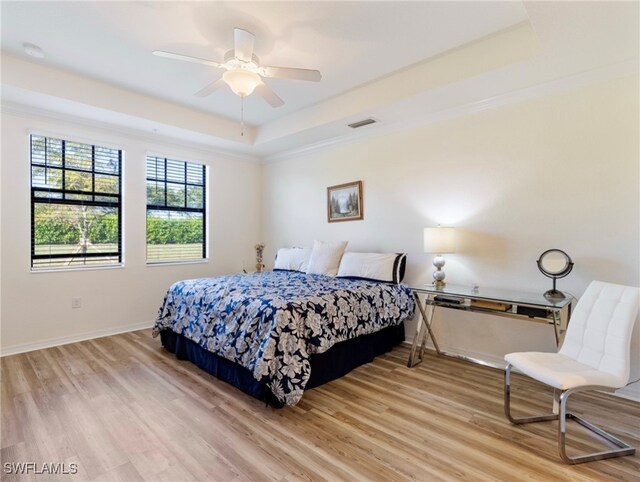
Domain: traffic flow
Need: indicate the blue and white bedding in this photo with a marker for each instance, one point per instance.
(270, 323)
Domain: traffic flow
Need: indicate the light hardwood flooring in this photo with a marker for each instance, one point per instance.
(122, 408)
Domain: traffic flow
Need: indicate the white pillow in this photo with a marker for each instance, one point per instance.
(325, 258)
(373, 266)
(293, 259)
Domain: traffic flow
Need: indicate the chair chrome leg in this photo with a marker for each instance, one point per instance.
(507, 404)
(622, 450)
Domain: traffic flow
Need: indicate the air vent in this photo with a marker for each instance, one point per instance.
(362, 123)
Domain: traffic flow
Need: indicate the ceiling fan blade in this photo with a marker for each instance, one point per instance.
(264, 91)
(187, 58)
(243, 44)
(211, 88)
(289, 73)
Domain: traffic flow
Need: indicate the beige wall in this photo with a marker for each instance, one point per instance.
(36, 307)
(558, 172)
(562, 171)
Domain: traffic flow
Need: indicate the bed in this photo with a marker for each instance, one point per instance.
(275, 334)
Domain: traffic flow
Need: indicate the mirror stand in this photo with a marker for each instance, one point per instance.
(554, 293)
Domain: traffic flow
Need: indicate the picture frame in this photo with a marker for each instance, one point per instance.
(344, 202)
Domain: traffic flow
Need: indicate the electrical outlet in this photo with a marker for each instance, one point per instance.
(76, 302)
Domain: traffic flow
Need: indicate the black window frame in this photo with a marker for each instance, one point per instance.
(63, 200)
(165, 206)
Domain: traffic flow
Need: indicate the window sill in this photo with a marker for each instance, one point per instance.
(78, 268)
(153, 264)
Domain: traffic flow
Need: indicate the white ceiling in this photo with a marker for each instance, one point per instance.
(396, 61)
(351, 43)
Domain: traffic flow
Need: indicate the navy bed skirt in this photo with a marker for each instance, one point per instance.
(336, 362)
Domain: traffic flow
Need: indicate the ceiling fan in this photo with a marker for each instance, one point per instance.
(243, 72)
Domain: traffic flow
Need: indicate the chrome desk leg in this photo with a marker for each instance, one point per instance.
(556, 393)
(428, 320)
(422, 333)
(556, 322)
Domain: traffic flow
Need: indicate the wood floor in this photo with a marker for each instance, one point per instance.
(122, 408)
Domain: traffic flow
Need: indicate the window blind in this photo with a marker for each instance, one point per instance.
(176, 210)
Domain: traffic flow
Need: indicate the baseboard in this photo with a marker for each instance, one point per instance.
(65, 340)
(631, 392)
(491, 360)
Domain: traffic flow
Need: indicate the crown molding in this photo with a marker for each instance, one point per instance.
(564, 84)
(26, 111)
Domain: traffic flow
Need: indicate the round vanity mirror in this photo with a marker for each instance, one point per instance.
(555, 264)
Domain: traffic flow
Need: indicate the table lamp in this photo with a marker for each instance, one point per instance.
(440, 241)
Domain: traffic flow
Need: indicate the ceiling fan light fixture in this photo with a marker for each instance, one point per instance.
(242, 82)
(243, 72)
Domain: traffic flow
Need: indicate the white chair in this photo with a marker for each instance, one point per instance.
(594, 356)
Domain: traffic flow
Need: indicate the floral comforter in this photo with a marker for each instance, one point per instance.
(270, 323)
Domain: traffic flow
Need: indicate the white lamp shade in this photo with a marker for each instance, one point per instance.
(242, 82)
(439, 240)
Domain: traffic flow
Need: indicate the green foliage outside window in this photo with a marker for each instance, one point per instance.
(174, 231)
(55, 229)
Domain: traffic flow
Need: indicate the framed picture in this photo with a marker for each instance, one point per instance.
(344, 202)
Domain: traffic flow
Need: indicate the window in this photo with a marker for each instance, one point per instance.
(76, 204)
(176, 217)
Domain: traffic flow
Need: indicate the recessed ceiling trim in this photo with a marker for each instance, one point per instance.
(25, 111)
(594, 76)
(497, 51)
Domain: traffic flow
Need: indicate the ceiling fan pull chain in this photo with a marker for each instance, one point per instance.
(242, 116)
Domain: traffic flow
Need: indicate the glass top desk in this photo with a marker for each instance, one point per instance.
(497, 302)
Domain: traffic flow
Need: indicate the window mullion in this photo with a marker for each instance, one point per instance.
(119, 206)
(64, 165)
(166, 188)
(93, 172)
(185, 184)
